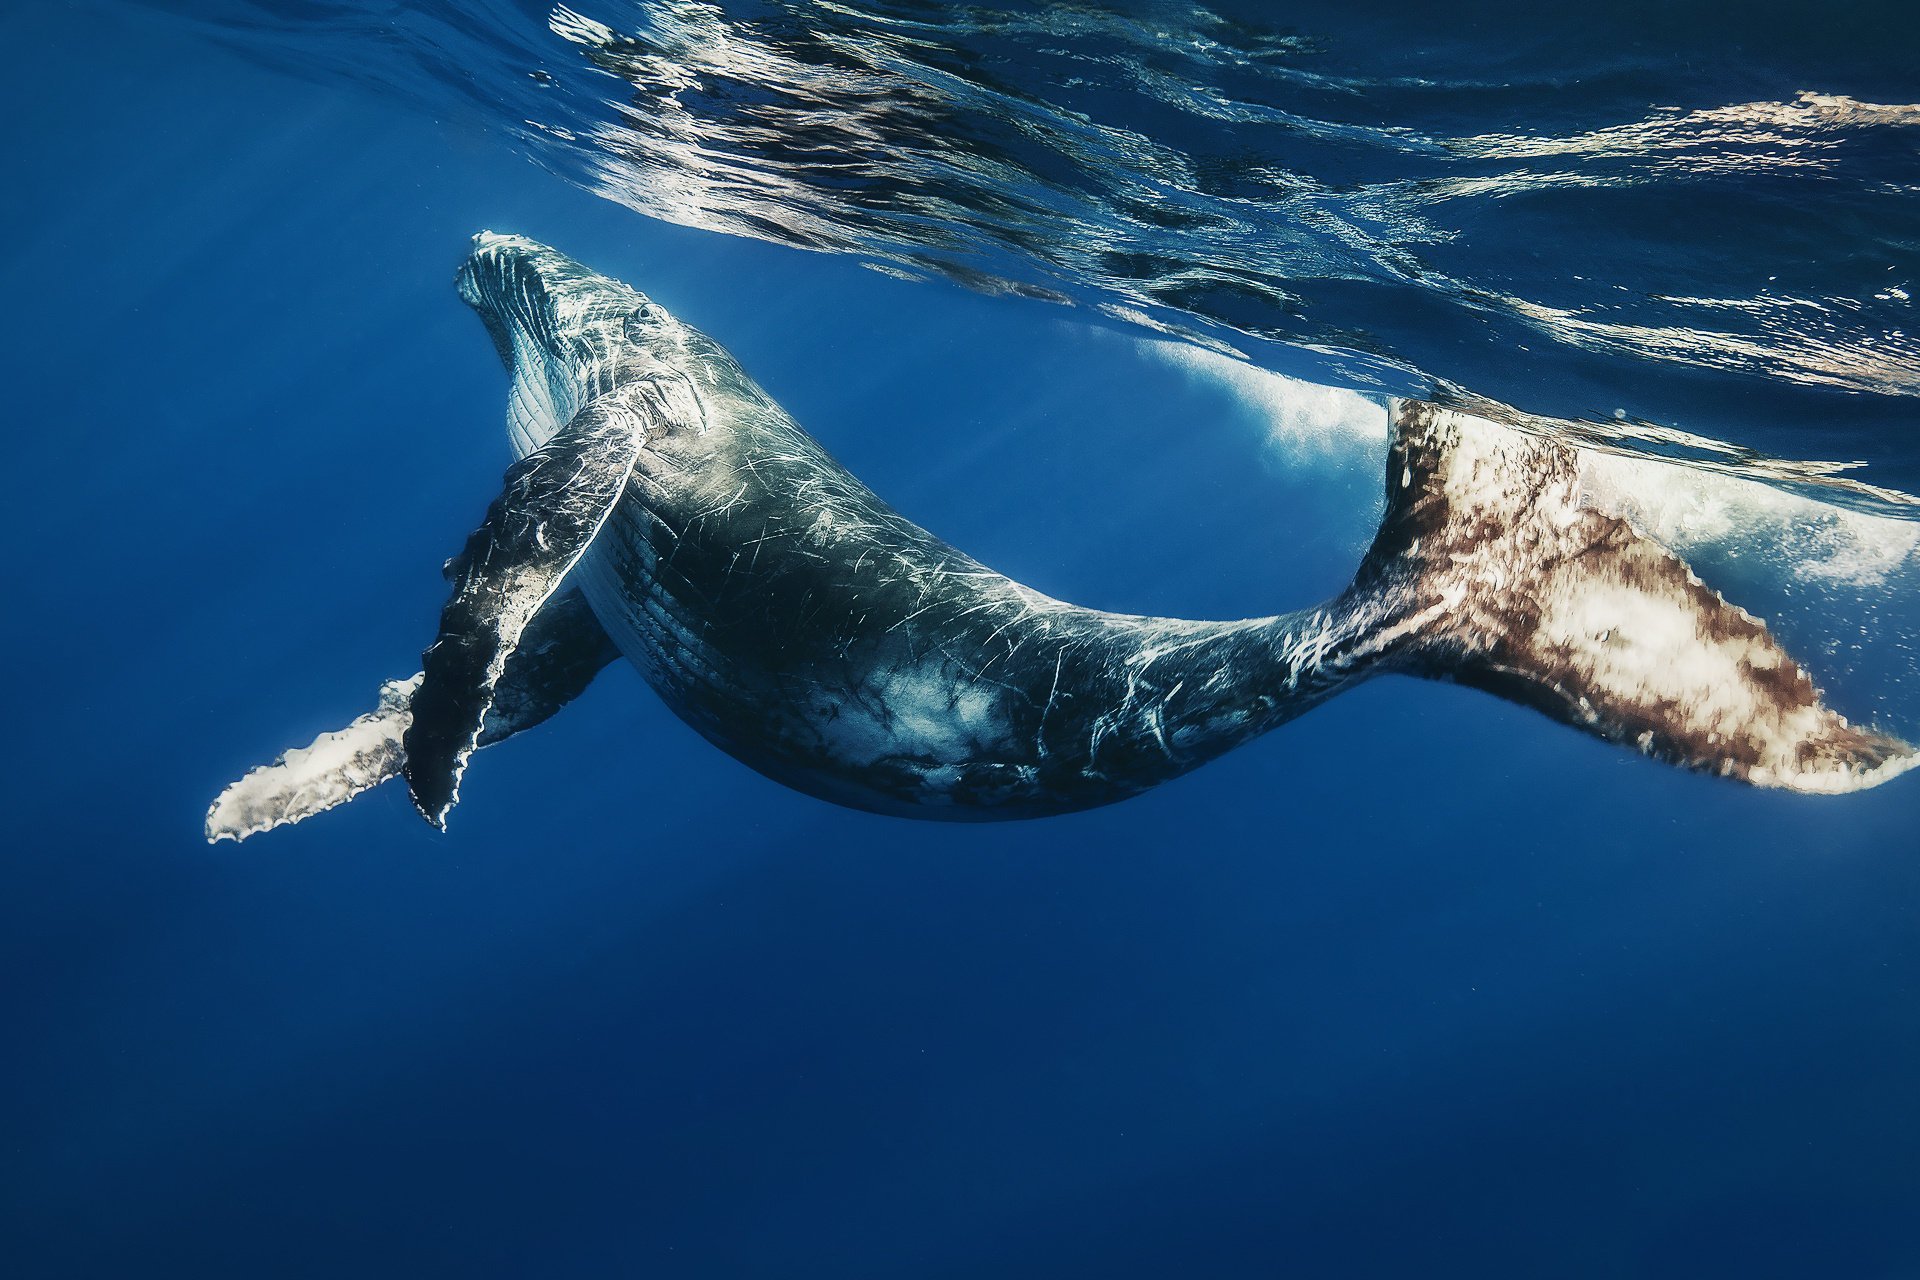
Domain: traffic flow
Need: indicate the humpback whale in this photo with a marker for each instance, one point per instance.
(665, 509)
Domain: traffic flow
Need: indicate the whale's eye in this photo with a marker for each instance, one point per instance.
(639, 320)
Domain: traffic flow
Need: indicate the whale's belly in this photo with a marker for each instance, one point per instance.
(848, 715)
(795, 621)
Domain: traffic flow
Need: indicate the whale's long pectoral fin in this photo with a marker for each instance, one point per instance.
(554, 502)
(331, 770)
(1490, 570)
(558, 657)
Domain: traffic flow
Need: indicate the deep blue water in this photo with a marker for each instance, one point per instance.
(1422, 984)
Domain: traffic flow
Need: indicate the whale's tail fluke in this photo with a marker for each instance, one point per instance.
(1489, 571)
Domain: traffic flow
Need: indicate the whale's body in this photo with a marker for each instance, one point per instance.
(665, 508)
(800, 623)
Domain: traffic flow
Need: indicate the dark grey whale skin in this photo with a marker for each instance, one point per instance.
(797, 621)
(910, 680)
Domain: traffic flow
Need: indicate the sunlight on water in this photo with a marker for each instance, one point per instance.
(1628, 264)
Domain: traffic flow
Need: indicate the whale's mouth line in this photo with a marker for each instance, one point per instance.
(519, 291)
(506, 291)
(560, 329)
(525, 290)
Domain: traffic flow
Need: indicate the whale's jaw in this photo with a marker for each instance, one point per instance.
(557, 326)
(511, 280)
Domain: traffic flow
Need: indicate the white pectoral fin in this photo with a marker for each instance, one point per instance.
(558, 657)
(331, 770)
(554, 502)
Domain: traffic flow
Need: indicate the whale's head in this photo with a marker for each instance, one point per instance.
(562, 330)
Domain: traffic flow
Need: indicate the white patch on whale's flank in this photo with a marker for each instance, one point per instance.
(1303, 418)
(920, 712)
(332, 769)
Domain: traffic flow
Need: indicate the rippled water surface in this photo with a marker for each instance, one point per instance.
(1663, 225)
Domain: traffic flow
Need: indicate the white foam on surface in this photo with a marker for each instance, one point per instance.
(1304, 420)
(1689, 510)
(1686, 508)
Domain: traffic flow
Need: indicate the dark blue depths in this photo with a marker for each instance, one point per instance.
(1420, 985)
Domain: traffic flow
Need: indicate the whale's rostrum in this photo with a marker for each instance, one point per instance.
(666, 509)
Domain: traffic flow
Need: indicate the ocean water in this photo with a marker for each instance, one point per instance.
(1420, 984)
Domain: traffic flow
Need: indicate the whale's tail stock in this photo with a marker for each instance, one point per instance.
(1489, 571)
